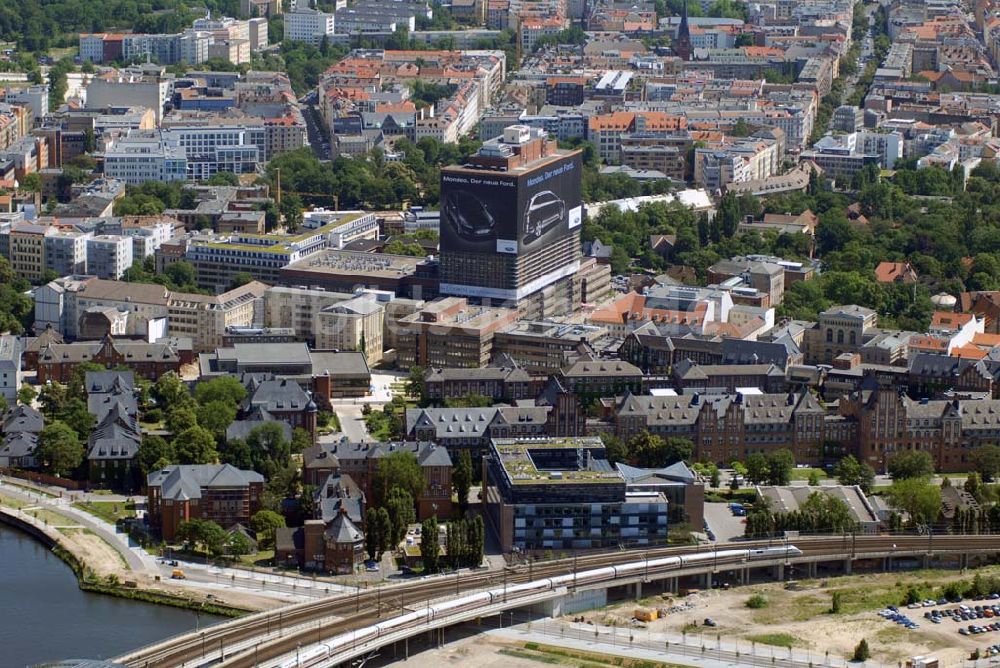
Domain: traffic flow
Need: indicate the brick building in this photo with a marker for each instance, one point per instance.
(221, 493)
(360, 461)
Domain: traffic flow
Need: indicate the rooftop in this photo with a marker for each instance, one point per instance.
(554, 460)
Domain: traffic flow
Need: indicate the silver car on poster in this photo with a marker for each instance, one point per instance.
(544, 211)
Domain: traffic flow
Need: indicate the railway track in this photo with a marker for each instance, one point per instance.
(305, 622)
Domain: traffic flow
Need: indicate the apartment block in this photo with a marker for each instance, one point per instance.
(109, 256)
(66, 252)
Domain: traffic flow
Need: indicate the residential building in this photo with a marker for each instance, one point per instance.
(27, 249)
(66, 252)
(109, 256)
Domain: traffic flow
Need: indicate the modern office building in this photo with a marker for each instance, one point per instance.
(563, 494)
(510, 223)
(143, 156)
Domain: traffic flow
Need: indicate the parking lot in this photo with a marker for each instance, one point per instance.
(966, 618)
(724, 525)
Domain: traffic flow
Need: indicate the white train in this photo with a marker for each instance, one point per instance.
(481, 600)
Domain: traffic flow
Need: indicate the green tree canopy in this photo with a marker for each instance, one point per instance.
(59, 449)
(195, 445)
(398, 469)
(910, 464)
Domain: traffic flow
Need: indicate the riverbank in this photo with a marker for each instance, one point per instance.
(98, 566)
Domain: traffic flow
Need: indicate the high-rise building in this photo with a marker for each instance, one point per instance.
(510, 223)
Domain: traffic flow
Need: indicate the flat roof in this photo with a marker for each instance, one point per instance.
(515, 456)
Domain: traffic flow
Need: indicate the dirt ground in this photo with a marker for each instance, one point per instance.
(480, 651)
(803, 616)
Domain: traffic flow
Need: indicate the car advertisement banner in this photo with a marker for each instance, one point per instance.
(510, 213)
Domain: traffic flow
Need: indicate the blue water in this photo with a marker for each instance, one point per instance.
(44, 616)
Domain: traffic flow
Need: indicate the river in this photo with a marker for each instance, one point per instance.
(46, 617)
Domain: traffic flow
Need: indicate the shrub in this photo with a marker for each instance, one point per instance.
(757, 601)
(861, 652)
(835, 603)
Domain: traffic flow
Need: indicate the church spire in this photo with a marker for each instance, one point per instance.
(682, 45)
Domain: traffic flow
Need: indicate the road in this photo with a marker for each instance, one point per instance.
(314, 124)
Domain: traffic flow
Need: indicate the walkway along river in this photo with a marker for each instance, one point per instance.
(47, 617)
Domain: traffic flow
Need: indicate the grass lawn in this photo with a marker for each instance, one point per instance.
(261, 559)
(11, 502)
(57, 53)
(803, 474)
(109, 511)
(50, 517)
(776, 639)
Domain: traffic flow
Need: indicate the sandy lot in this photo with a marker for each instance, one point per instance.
(802, 617)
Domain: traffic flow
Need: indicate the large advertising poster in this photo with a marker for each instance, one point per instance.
(510, 213)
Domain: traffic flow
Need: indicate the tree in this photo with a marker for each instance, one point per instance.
(861, 652)
(836, 601)
(180, 418)
(400, 506)
(986, 459)
(216, 416)
(850, 471)
(213, 537)
(223, 388)
(384, 531)
(399, 469)
(758, 470)
(652, 451)
(779, 466)
(153, 450)
(269, 449)
(237, 544)
(430, 545)
(301, 440)
(195, 445)
(59, 449)
(265, 523)
(171, 392)
(916, 497)
(26, 395)
(615, 448)
(415, 386)
(373, 539)
(461, 480)
(813, 478)
(476, 541)
(910, 464)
